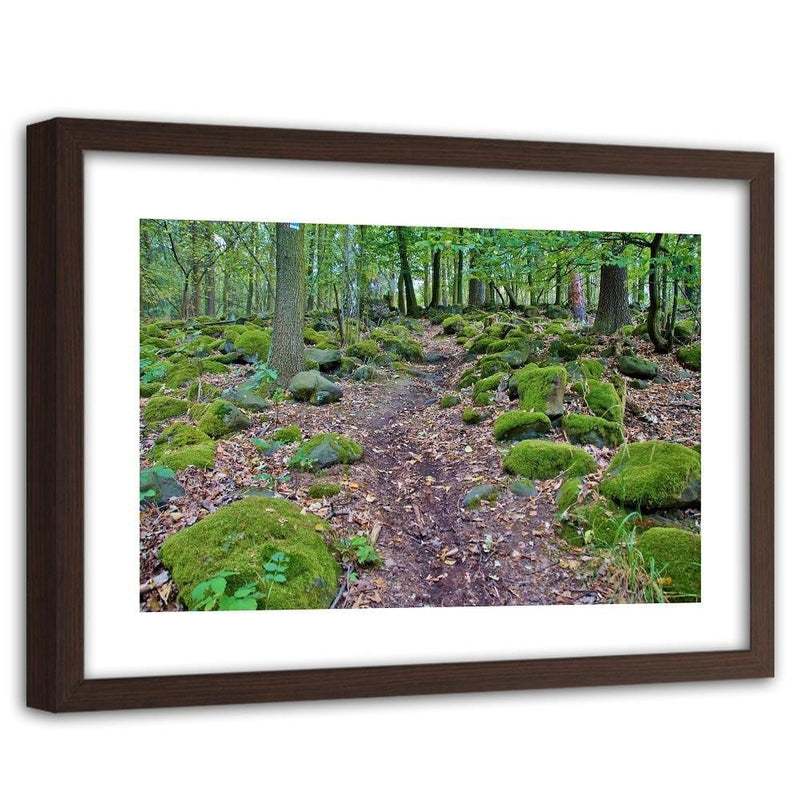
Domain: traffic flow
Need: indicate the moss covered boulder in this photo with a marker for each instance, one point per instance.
(181, 445)
(366, 350)
(604, 400)
(471, 416)
(583, 369)
(635, 367)
(453, 324)
(221, 419)
(690, 357)
(586, 429)
(244, 536)
(243, 397)
(366, 372)
(517, 425)
(312, 387)
(653, 475)
(541, 389)
(319, 490)
(157, 486)
(162, 407)
(477, 494)
(398, 340)
(539, 459)
(568, 494)
(675, 554)
(253, 344)
(180, 373)
(325, 450)
(324, 360)
(449, 400)
(291, 433)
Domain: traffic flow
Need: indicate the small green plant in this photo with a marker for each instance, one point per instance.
(361, 550)
(154, 374)
(275, 571)
(212, 595)
(272, 481)
(148, 477)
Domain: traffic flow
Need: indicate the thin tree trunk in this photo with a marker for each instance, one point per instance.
(436, 279)
(660, 344)
(411, 308)
(460, 271)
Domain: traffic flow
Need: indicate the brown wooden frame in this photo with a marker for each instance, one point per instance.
(55, 451)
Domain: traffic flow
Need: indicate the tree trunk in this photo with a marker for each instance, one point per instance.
(460, 271)
(411, 309)
(436, 279)
(660, 344)
(612, 305)
(286, 352)
(577, 302)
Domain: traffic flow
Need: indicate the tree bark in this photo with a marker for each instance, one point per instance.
(460, 271)
(660, 344)
(612, 305)
(577, 302)
(286, 352)
(411, 308)
(436, 279)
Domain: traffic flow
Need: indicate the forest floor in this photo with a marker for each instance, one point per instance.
(406, 493)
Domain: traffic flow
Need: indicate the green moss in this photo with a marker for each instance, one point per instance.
(232, 332)
(366, 350)
(175, 437)
(521, 425)
(200, 345)
(214, 366)
(566, 351)
(538, 459)
(241, 538)
(207, 391)
(596, 522)
(584, 429)
(489, 366)
(318, 490)
(542, 389)
(603, 400)
(584, 369)
(197, 410)
(180, 372)
(151, 329)
(568, 494)
(690, 357)
(452, 324)
(481, 399)
(675, 554)
(196, 455)
(684, 330)
(291, 433)
(468, 378)
(222, 418)
(489, 384)
(449, 400)
(397, 340)
(149, 389)
(253, 343)
(653, 475)
(162, 407)
(481, 344)
(471, 416)
(325, 450)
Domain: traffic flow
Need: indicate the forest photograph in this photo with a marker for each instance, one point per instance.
(374, 416)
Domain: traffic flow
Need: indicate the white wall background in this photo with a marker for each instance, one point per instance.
(687, 74)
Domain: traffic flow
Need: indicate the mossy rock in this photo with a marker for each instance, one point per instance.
(517, 425)
(396, 339)
(566, 351)
(199, 391)
(635, 367)
(323, 360)
(522, 487)
(471, 416)
(162, 407)
(675, 554)
(149, 389)
(197, 410)
(481, 399)
(291, 433)
(477, 494)
(195, 455)
(232, 332)
(584, 368)
(568, 494)
(180, 372)
(449, 400)
(200, 345)
(684, 331)
(151, 329)
(489, 384)
(244, 398)
(243, 536)
(690, 357)
(176, 437)
(311, 386)
(541, 389)
(539, 459)
(604, 401)
(594, 522)
(585, 429)
(215, 366)
(325, 450)
(489, 366)
(157, 486)
(366, 372)
(653, 475)
(366, 350)
(222, 419)
(452, 324)
(319, 490)
(253, 345)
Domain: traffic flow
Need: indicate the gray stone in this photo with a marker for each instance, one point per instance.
(635, 367)
(484, 491)
(326, 360)
(312, 387)
(523, 488)
(365, 372)
(161, 481)
(243, 398)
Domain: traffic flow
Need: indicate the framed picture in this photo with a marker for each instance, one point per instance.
(425, 411)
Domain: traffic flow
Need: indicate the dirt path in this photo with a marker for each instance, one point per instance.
(406, 493)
